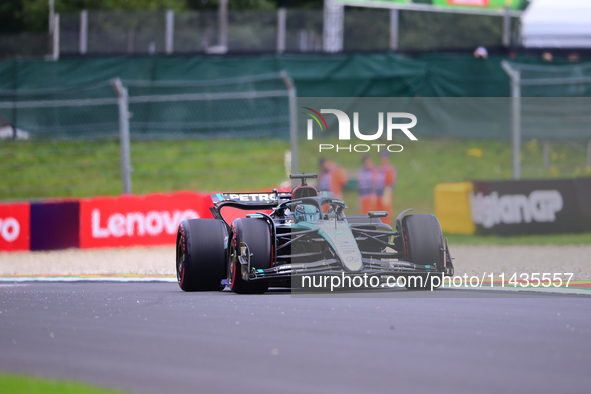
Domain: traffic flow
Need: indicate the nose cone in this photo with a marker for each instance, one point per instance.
(343, 242)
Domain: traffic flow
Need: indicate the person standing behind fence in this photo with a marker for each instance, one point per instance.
(323, 176)
(366, 180)
(385, 184)
(332, 178)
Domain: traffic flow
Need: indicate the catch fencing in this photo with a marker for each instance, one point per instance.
(546, 104)
(80, 132)
(329, 30)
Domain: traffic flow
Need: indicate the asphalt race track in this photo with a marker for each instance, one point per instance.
(153, 338)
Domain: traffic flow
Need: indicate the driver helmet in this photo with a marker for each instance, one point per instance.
(307, 213)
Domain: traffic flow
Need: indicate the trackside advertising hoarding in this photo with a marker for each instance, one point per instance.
(532, 206)
(14, 226)
(55, 225)
(485, 4)
(491, 5)
(138, 220)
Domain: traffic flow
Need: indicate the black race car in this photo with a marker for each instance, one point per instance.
(302, 234)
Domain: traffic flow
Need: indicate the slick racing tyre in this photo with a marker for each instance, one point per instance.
(422, 244)
(257, 235)
(201, 254)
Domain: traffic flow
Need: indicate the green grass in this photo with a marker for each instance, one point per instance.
(83, 169)
(19, 384)
(30, 170)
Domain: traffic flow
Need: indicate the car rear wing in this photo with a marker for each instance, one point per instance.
(264, 201)
(262, 198)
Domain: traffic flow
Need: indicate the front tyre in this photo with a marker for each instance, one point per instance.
(201, 254)
(256, 234)
(422, 244)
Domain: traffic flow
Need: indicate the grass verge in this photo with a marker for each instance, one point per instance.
(31, 170)
(20, 384)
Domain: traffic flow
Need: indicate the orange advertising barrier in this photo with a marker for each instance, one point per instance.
(14, 226)
(138, 220)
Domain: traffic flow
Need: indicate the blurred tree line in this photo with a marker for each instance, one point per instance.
(33, 15)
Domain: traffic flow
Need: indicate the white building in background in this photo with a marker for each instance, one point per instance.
(557, 24)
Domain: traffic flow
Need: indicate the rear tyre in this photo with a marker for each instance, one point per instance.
(201, 254)
(257, 235)
(422, 244)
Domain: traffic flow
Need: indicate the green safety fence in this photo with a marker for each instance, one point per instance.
(373, 75)
(369, 75)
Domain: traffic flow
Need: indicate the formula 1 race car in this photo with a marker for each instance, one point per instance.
(302, 233)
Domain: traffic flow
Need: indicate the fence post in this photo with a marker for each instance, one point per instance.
(122, 101)
(56, 37)
(51, 15)
(169, 32)
(546, 154)
(83, 32)
(515, 76)
(223, 23)
(506, 27)
(334, 18)
(281, 30)
(14, 120)
(293, 121)
(516, 122)
(394, 30)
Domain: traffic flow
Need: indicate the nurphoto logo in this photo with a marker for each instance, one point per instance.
(345, 130)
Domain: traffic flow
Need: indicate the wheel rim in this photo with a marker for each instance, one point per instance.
(180, 256)
(232, 273)
(231, 267)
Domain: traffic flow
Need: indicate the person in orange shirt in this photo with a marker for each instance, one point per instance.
(384, 186)
(366, 185)
(333, 178)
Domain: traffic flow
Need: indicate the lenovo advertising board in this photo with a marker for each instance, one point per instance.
(138, 220)
(532, 207)
(14, 226)
(55, 225)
